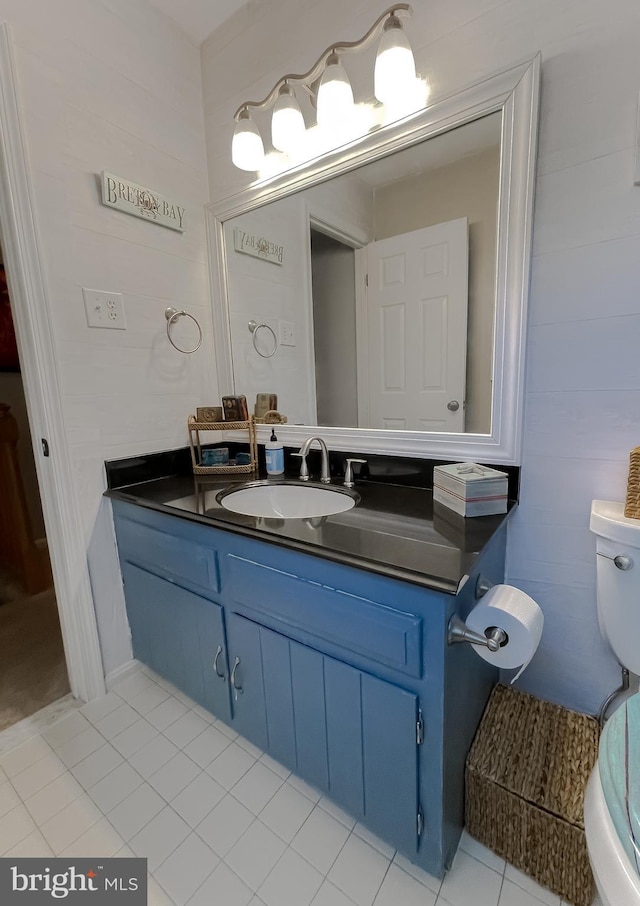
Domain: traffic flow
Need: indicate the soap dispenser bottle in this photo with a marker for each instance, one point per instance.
(274, 455)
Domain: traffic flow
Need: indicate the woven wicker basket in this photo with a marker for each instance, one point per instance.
(632, 503)
(526, 775)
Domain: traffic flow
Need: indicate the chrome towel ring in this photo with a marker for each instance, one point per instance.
(254, 327)
(172, 314)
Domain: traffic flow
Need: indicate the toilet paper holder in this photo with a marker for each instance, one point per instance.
(494, 638)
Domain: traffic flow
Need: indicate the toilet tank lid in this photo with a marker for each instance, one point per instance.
(608, 521)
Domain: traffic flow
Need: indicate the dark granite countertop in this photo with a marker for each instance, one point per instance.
(395, 530)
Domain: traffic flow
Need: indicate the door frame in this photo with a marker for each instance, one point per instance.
(34, 331)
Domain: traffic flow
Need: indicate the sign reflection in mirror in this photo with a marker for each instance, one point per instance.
(389, 283)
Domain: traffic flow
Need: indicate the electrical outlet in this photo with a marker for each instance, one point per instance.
(104, 309)
(287, 333)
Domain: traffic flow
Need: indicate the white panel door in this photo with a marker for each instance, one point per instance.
(416, 323)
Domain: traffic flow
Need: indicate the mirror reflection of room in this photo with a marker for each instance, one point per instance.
(382, 301)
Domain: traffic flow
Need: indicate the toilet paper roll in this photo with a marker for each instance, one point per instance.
(519, 616)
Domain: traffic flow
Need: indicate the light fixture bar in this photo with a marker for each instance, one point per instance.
(307, 79)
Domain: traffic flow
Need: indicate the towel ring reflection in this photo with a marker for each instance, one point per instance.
(171, 314)
(254, 327)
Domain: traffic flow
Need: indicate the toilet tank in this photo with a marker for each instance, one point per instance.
(618, 580)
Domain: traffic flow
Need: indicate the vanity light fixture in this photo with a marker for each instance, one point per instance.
(397, 88)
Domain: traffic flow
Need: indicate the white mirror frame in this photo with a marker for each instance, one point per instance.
(514, 93)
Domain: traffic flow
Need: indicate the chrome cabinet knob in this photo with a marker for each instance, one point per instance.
(623, 562)
(453, 405)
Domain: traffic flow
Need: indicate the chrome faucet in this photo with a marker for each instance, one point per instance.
(325, 478)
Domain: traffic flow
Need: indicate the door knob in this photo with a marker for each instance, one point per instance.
(453, 405)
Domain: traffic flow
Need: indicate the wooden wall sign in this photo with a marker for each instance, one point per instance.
(141, 202)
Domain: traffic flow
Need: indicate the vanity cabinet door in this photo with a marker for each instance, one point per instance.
(179, 635)
(341, 729)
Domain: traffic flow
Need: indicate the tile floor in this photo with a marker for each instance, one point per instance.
(144, 772)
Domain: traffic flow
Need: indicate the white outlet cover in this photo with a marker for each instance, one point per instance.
(287, 333)
(104, 309)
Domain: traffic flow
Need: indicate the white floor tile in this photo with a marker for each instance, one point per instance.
(471, 881)
(14, 827)
(67, 728)
(198, 798)
(182, 731)
(136, 736)
(481, 853)
(156, 896)
(34, 846)
(275, 766)
(137, 810)
(207, 746)
(149, 699)
(419, 874)
(513, 895)
(286, 812)
(339, 814)
(24, 755)
(38, 775)
(256, 787)
(292, 882)
(101, 839)
(359, 870)
(330, 895)
(174, 776)
(230, 766)
(526, 883)
(8, 797)
(162, 716)
(96, 710)
(222, 886)
(224, 825)
(92, 769)
(133, 685)
(305, 788)
(226, 729)
(398, 887)
(320, 839)
(249, 747)
(365, 834)
(115, 787)
(186, 869)
(80, 746)
(151, 757)
(50, 800)
(203, 713)
(117, 721)
(158, 839)
(255, 854)
(70, 823)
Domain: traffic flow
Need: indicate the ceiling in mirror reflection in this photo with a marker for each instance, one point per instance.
(383, 303)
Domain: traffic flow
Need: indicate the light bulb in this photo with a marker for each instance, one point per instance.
(395, 70)
(247, 149)
(335, 96)
(287, 122)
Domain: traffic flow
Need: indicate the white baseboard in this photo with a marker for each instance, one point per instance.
(122, 672)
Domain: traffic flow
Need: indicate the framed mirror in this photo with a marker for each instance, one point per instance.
(381, 291)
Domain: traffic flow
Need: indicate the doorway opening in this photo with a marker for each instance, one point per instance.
(33, 671)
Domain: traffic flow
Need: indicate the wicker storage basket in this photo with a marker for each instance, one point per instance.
(526, 775)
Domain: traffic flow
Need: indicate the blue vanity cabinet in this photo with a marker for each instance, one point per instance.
(341, 674)
(344, 731)
(178, 633)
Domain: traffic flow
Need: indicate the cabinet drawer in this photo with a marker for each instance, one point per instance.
(354, 624)
(167, 555)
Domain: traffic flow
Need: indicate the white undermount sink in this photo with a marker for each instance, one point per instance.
(285, 500)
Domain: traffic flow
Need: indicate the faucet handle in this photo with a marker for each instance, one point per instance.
(304, 468)
(348, 471)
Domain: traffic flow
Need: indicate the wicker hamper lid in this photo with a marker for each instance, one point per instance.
(537, 750)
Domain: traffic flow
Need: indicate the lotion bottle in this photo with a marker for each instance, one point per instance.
(274, 455)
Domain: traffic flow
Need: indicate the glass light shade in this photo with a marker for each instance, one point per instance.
(335, 96)
(287, 122)
(395, 69)
(247, 149)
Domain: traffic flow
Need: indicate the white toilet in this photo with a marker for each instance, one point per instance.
(612, 802)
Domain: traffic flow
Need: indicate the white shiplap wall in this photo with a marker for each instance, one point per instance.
(112, 84)
(582, 408)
